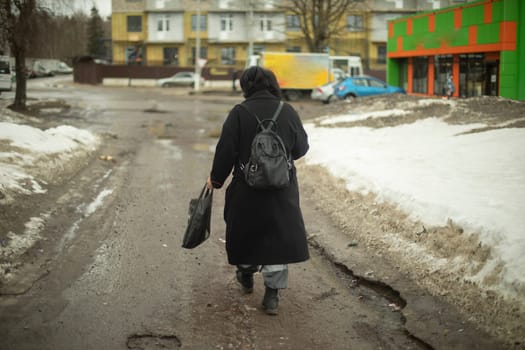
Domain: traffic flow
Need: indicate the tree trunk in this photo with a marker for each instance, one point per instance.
(21, 80)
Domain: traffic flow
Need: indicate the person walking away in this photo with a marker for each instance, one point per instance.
(264, 227)
(234, 80)
(450, 87)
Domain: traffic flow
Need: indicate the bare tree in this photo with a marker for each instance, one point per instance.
(16, 17)
(320, 20)
(29, 28)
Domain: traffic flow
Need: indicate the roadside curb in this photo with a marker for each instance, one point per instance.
(427, 319)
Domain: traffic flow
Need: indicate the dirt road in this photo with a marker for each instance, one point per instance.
(118, 278)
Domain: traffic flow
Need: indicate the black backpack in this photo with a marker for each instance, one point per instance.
(269, 165)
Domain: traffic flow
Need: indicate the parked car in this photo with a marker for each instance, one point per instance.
(39, 70)
(180, 79)
(325, 93)
(360, 86)
(62, 68)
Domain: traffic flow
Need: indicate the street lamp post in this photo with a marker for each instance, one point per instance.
(198, 49)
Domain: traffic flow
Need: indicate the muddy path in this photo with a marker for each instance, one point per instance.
(120, 279)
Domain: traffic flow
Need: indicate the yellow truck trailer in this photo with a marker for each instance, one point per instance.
(297, 73)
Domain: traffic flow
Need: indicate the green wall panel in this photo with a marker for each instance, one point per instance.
(509, 74)
(511, 10)
(444, 21)
(472, 16)
(420, 25)
(392, 69)
(497, 11)
(509, 62)
(459, 37)
(409, 43)
(520, 48)
(400, 28)
(488, 33)
(391, 45)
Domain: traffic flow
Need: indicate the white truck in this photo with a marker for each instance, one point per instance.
(351, 65)
(299, 73)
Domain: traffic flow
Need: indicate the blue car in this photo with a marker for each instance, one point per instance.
(359, 86)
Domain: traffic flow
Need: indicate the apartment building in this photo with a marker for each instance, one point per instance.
(166, 32)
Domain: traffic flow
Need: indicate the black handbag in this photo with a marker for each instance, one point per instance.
(198, 229)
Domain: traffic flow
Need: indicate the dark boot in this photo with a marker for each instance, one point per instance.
(246, 281)
(270, 301)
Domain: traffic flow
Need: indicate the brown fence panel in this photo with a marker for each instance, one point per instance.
(86, 71)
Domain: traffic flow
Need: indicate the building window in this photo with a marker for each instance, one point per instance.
(354, 23)
(163, 24)
(265, 23)
(134, 24)
(228, 55)
(293, 24)
(420, 75)
(442, 69)
(473, 76)
(133, 55)
(204, 54)
(258, 49)
(381, 54)
(194, 23)
(293, 49)
(227, 23)
(170, 56)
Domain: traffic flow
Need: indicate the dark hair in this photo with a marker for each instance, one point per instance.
(256, 79)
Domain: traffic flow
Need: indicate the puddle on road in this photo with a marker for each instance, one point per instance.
(170, 150)
(153, 341)
(201, 147)
(161, 129)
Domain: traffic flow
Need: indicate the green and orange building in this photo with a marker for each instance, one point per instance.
(481, 44)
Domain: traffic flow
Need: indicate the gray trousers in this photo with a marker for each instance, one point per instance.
(275, 276)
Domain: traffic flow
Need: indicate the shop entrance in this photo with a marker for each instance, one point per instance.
(442, 70)
(472, 75)
(491, 78)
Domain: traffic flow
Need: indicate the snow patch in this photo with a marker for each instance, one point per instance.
(435, 173)
(362, 116)
(29, 157)
(20, 243)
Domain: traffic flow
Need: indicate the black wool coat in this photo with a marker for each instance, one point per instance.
(263, 227)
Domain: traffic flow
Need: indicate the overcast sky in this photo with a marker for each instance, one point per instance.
(103, 6)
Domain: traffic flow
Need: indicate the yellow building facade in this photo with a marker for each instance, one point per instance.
(167, 33)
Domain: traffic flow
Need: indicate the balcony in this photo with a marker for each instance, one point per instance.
(163, 5)
(245, 5)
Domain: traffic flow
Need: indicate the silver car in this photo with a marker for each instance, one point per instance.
(180, 79)
(325, 93)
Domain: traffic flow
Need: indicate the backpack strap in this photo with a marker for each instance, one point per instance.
(278, 111)
(245, 106)
(261, 122)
